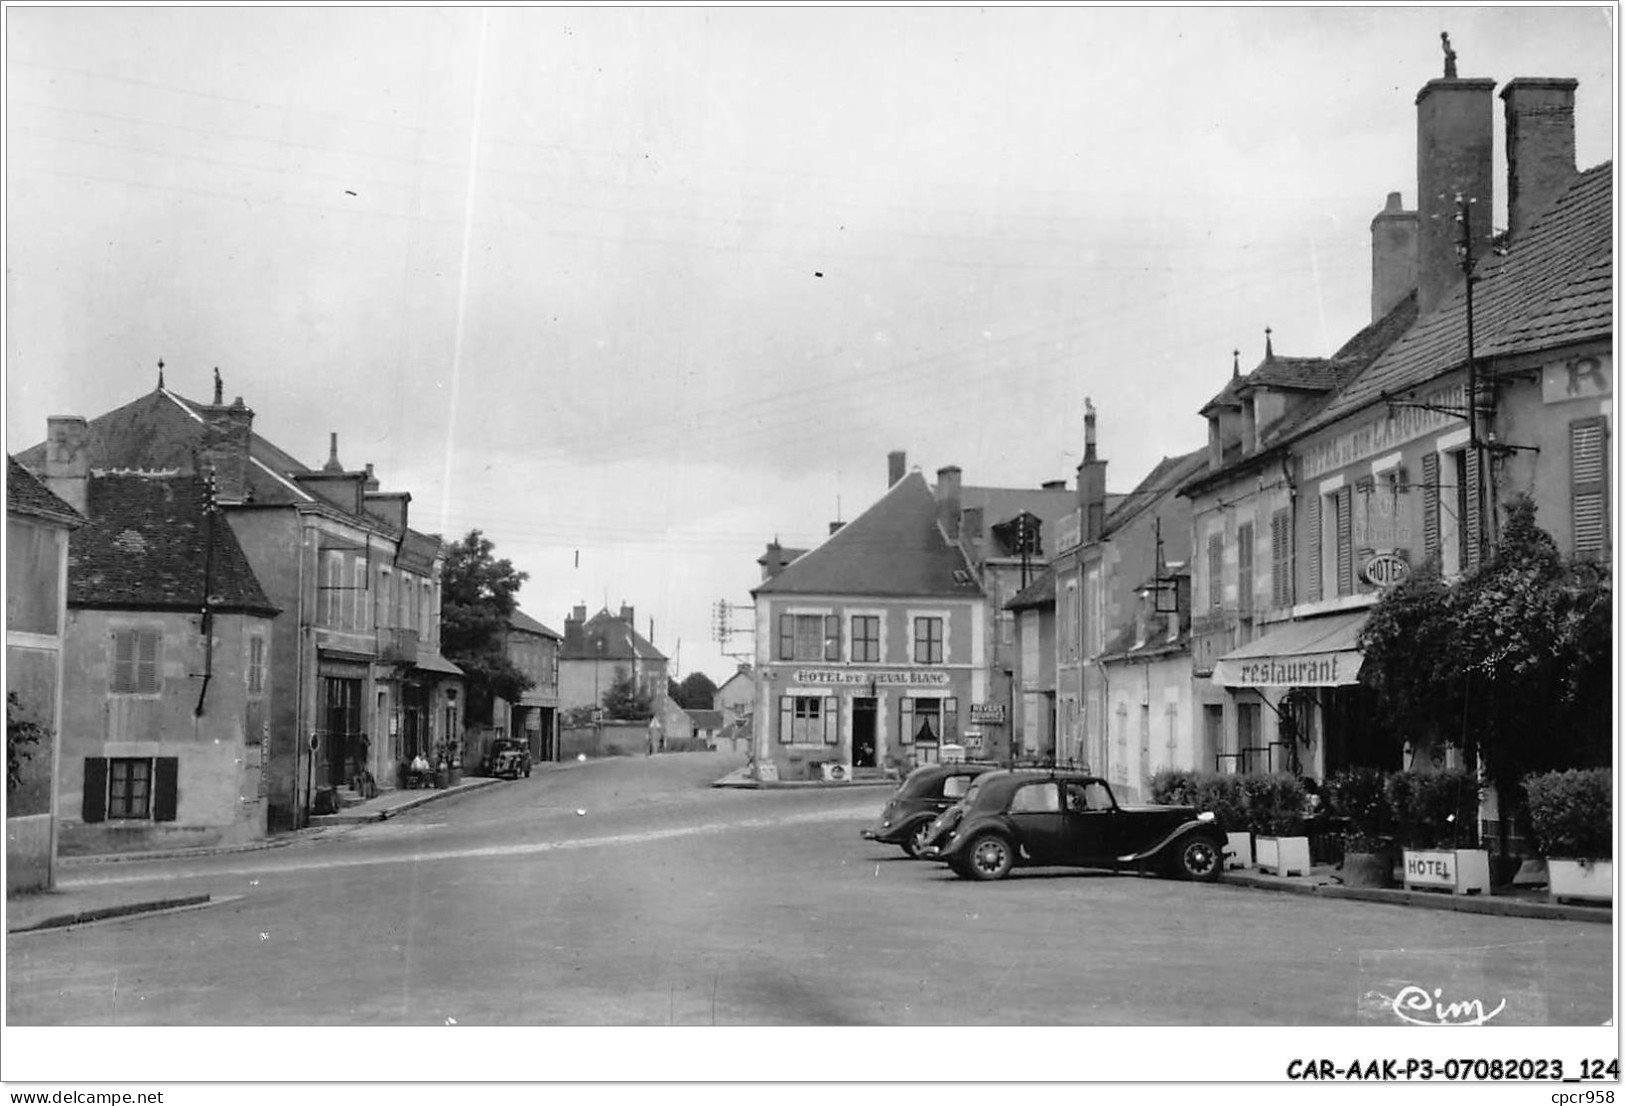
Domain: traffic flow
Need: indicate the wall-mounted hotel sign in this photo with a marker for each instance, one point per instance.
(1384, 570)
(1578, 378)
(987, 713)
(841, 677)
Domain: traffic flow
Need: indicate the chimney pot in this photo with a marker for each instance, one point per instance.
(948, 500)
(67, 460)
(1393, 256)
(835, 526)
(896, 466)
(227, 435)
(1539, 144)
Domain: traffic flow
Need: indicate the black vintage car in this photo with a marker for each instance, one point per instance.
(927, 792)
(1027, 818)
(509, 758)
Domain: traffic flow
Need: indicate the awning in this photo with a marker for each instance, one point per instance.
(1314, 652)
(430, 661)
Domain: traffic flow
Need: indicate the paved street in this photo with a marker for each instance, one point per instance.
(665, 901)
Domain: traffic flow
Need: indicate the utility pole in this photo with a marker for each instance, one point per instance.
(1464, 250)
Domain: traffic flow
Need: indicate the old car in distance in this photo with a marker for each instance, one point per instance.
(1070, 819)
(925, 793)
(509, 759)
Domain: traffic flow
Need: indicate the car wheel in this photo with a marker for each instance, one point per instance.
(915, 841)
(1200, 859)
(989, 857)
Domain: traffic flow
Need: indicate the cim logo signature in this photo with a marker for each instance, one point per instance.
(1418, 1006)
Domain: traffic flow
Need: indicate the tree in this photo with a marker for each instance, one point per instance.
(478, 595)
(696, 692)
(1512, 662)
(625, 701)
(21, 734)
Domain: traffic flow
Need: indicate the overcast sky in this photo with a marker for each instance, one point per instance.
(648, 287)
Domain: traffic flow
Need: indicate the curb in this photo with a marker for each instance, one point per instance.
(342, 819)
(1464, 904)
(183, 854)
(118, 913)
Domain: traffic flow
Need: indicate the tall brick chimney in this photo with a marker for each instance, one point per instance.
(67, 460)
(1393, 256)
(227, 432)
(626, 616)
(1091, 480)
(1455, 131)
(948, 501)
(896, 466)
(1540, 145)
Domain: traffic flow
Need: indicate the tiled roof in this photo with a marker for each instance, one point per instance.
(1001, 505)
(894, 548)
(519, 620)
(26, 494)
(1552, 288)
(605, 636)
(1163, 480)
(1310, 374)
(161, 431)
(145, 547)
(1039, 593)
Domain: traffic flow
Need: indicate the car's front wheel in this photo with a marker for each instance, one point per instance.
(915, 841)
(989, 857)
(1199, 858)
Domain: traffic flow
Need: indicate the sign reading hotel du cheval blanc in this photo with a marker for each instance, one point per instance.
(833, 677)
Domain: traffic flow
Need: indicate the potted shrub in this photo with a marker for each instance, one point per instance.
(1274, 808)
(1572, 819)
(1223, 795)
(1358, 798)
(1436, 814)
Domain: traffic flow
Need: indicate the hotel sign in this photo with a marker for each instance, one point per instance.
(987, 713)
(1386, 432)
(842, 677)
(1577, 378)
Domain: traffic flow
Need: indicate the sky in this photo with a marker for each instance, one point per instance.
(636, 290)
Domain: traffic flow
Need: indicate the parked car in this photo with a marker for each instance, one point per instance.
(509, 758)
(925, 793)
(1031, 818)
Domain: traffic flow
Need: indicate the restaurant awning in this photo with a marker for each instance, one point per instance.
(1313, 652)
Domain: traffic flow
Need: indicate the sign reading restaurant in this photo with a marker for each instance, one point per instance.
(895, 678)
(1318, 671)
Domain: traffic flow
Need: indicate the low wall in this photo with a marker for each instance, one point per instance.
(608, 739)
(28, 853)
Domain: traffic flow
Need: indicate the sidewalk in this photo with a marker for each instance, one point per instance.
(70, 905)
(1513, 902)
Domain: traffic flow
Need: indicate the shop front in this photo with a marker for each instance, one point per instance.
(836, 723)
(1295, 701)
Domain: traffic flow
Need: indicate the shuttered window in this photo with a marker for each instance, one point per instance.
(1345, 541)
(1244, 568)
(866, 638)
(135, 662)
(807, 720)
(130, 788)
(832, 637)
(1312, 530)
(1430, 504)
(1472, 511)
(927, 640)
(1281, 558)
(1588, 487)
(808, 637)
(1215, 571)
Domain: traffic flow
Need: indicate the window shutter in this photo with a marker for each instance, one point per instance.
(1430, 504)
(1280, 559)
(1588, 487)
(165, 789)
(832, 717)
(1475, 520)
(832, 637)
(1315, 588)
(123, 660)
(1215, 571)
(905, 712)
(1345, 540)
(146, 660)
(787, 716)
(1244, 568)
(787, 637)
(94, 807)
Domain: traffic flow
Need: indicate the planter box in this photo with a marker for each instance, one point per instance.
(1239, 846)
(1586, 880)
(1282, 856)
(1368, 869)
(1459, 871)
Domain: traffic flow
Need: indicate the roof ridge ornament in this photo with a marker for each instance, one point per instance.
(1449, 56)
(1269, 348)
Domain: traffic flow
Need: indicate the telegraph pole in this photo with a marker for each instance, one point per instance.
(1464, 249)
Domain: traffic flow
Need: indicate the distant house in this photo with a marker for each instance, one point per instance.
(535, 650)
(737, 695)
(707, 726)
(167, 651)
(1033, 727)
(735, 736)
(38, 523)
(597, 650)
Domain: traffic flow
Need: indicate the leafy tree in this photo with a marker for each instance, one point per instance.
(21, 734)
(625, 701)
(478, 595)
(1513, 662)
(696, 692)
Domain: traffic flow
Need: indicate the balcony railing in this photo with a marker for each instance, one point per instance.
(397, 646)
